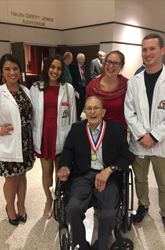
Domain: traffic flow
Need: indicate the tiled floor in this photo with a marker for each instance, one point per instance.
(39, 233)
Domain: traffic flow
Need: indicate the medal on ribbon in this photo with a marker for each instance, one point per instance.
(96, 144)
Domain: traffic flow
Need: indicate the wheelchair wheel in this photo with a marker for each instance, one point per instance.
(65, 245)
(128, 217)
(128, 245)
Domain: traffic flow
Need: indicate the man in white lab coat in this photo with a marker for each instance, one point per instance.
(145, 115)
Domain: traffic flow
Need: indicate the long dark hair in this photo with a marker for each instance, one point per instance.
(45, 77)
(4, 59)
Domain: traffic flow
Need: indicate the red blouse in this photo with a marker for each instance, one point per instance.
(113, 101)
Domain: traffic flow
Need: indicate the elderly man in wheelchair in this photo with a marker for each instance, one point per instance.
(94, 156)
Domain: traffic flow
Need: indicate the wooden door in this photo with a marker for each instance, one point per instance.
(18, 51)
(90, 53)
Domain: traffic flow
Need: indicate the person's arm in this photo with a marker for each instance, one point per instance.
(92, 73)
(72, 102)
(32, 96)
(159, 131)
(5, 129)
(146, 141)
(63, 173)
(101, 179)
(125, 157)
(89, 91)
(140, 134)
(130, 112)
(67, 155)
(72, 68)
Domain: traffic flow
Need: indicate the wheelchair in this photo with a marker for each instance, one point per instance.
(124, 214)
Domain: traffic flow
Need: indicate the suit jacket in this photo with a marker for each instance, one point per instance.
(76, 76)
(94, 69)
(76, 154)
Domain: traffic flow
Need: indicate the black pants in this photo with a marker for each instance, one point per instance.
(82, 190)
(80, 102)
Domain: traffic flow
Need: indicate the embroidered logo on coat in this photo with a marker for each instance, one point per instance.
(161, 105)
(65, 114)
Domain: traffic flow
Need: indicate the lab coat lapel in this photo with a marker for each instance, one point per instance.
(157, 92)
(62, 91)
(143, 100)
(8, 95)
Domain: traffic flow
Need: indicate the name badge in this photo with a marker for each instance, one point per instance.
(65, 103)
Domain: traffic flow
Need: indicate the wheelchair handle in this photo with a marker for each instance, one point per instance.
(132, 212)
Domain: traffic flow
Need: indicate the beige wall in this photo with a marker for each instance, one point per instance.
(88, 35)
(75, 13)
(24, 9)
(145, 13)
(20, 12)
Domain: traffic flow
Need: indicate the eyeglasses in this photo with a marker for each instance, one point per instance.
(115, 64)
(89, 109)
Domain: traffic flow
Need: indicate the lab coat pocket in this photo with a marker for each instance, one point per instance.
(61, 137)
(7, 147)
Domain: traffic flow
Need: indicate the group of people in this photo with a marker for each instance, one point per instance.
(33, 123)
(91, 153)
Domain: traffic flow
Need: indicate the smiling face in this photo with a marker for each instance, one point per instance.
(94, 112)
(151, 54)
(11, 72)
(111, 70)
(54, 72)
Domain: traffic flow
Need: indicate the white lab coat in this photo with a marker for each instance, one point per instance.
(63, 125)
(10, 145)
(137, 114)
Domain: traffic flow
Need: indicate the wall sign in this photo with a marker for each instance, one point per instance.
(32, 19)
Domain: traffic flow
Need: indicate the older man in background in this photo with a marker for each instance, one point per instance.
(68, 58)
(96, 64)
(77, 70)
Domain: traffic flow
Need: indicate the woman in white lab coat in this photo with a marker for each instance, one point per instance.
(54, 112)
(16, 144)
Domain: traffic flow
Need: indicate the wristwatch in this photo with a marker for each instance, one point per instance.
(113, 168)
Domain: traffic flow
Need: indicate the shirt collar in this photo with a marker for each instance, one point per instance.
(99, 61)
(97, 129)
(80, 65)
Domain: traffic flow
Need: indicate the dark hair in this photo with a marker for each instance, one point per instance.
(4, 59)
(120, 54)
(154, 35)
(45, 77)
